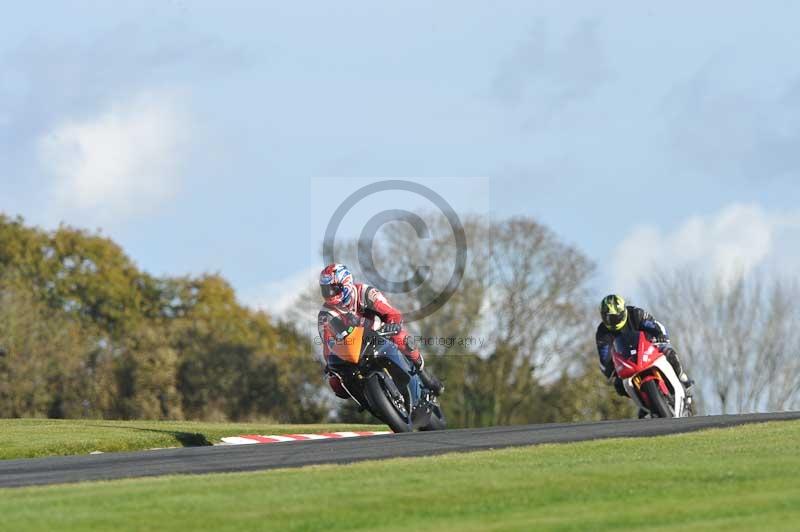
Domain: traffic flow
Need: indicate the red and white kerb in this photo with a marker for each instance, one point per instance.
(282, 438)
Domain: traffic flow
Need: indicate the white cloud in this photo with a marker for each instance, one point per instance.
(728, 244)
(122, 162)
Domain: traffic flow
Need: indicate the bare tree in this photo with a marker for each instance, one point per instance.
(741, 338)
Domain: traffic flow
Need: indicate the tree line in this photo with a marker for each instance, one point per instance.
(85, 333)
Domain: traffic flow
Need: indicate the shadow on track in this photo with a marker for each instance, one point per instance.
(186, 439)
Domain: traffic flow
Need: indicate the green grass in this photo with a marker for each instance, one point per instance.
(743, 478)
(32, 438)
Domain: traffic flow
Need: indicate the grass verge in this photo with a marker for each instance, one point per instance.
(741, 478)
(33, 438)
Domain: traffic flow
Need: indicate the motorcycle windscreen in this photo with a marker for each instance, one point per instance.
(349, 347)
(627, 345)
(626, 351)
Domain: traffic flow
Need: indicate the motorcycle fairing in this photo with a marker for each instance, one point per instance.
(634, 353)
(665, 369)
(389, 357)
(401, 369)
(348, 347)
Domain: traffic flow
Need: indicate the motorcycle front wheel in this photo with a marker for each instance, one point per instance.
(380, 401)
(659, 405)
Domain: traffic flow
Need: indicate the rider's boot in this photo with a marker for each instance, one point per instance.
(430, 381)
(672, 358)
(688, 384)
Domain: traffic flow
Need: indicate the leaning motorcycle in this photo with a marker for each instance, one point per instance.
(648, 377)
(381, 379)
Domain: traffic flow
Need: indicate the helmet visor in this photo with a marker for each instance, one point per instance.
(614, 321)
(330, 290)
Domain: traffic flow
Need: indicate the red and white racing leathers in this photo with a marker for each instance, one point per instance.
(368, 303)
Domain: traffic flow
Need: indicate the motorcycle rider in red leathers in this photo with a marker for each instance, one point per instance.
(344, 297)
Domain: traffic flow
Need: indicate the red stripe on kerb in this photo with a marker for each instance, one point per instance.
(296, 437)
(260, 439)
(330, 435)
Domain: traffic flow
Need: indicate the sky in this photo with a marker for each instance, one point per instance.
(220, 137)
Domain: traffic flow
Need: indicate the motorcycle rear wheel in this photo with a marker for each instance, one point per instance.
(378, 399)
(659, 404)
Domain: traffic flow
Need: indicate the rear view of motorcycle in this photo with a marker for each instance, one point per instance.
(648, 377)
(380, 378)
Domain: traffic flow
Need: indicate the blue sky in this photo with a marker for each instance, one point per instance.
(192, 132)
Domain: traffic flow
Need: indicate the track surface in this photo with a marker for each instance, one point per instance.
(195, 460)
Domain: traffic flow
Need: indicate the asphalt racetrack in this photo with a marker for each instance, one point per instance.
(197, 460)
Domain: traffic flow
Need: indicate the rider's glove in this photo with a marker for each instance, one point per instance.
(661, 339)
(392, 328)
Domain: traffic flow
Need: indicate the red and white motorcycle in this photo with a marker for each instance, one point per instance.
(648, 376)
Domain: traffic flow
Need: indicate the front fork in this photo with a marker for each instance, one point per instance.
(632, 386)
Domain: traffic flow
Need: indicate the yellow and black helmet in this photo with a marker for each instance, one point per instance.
(613, 312)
